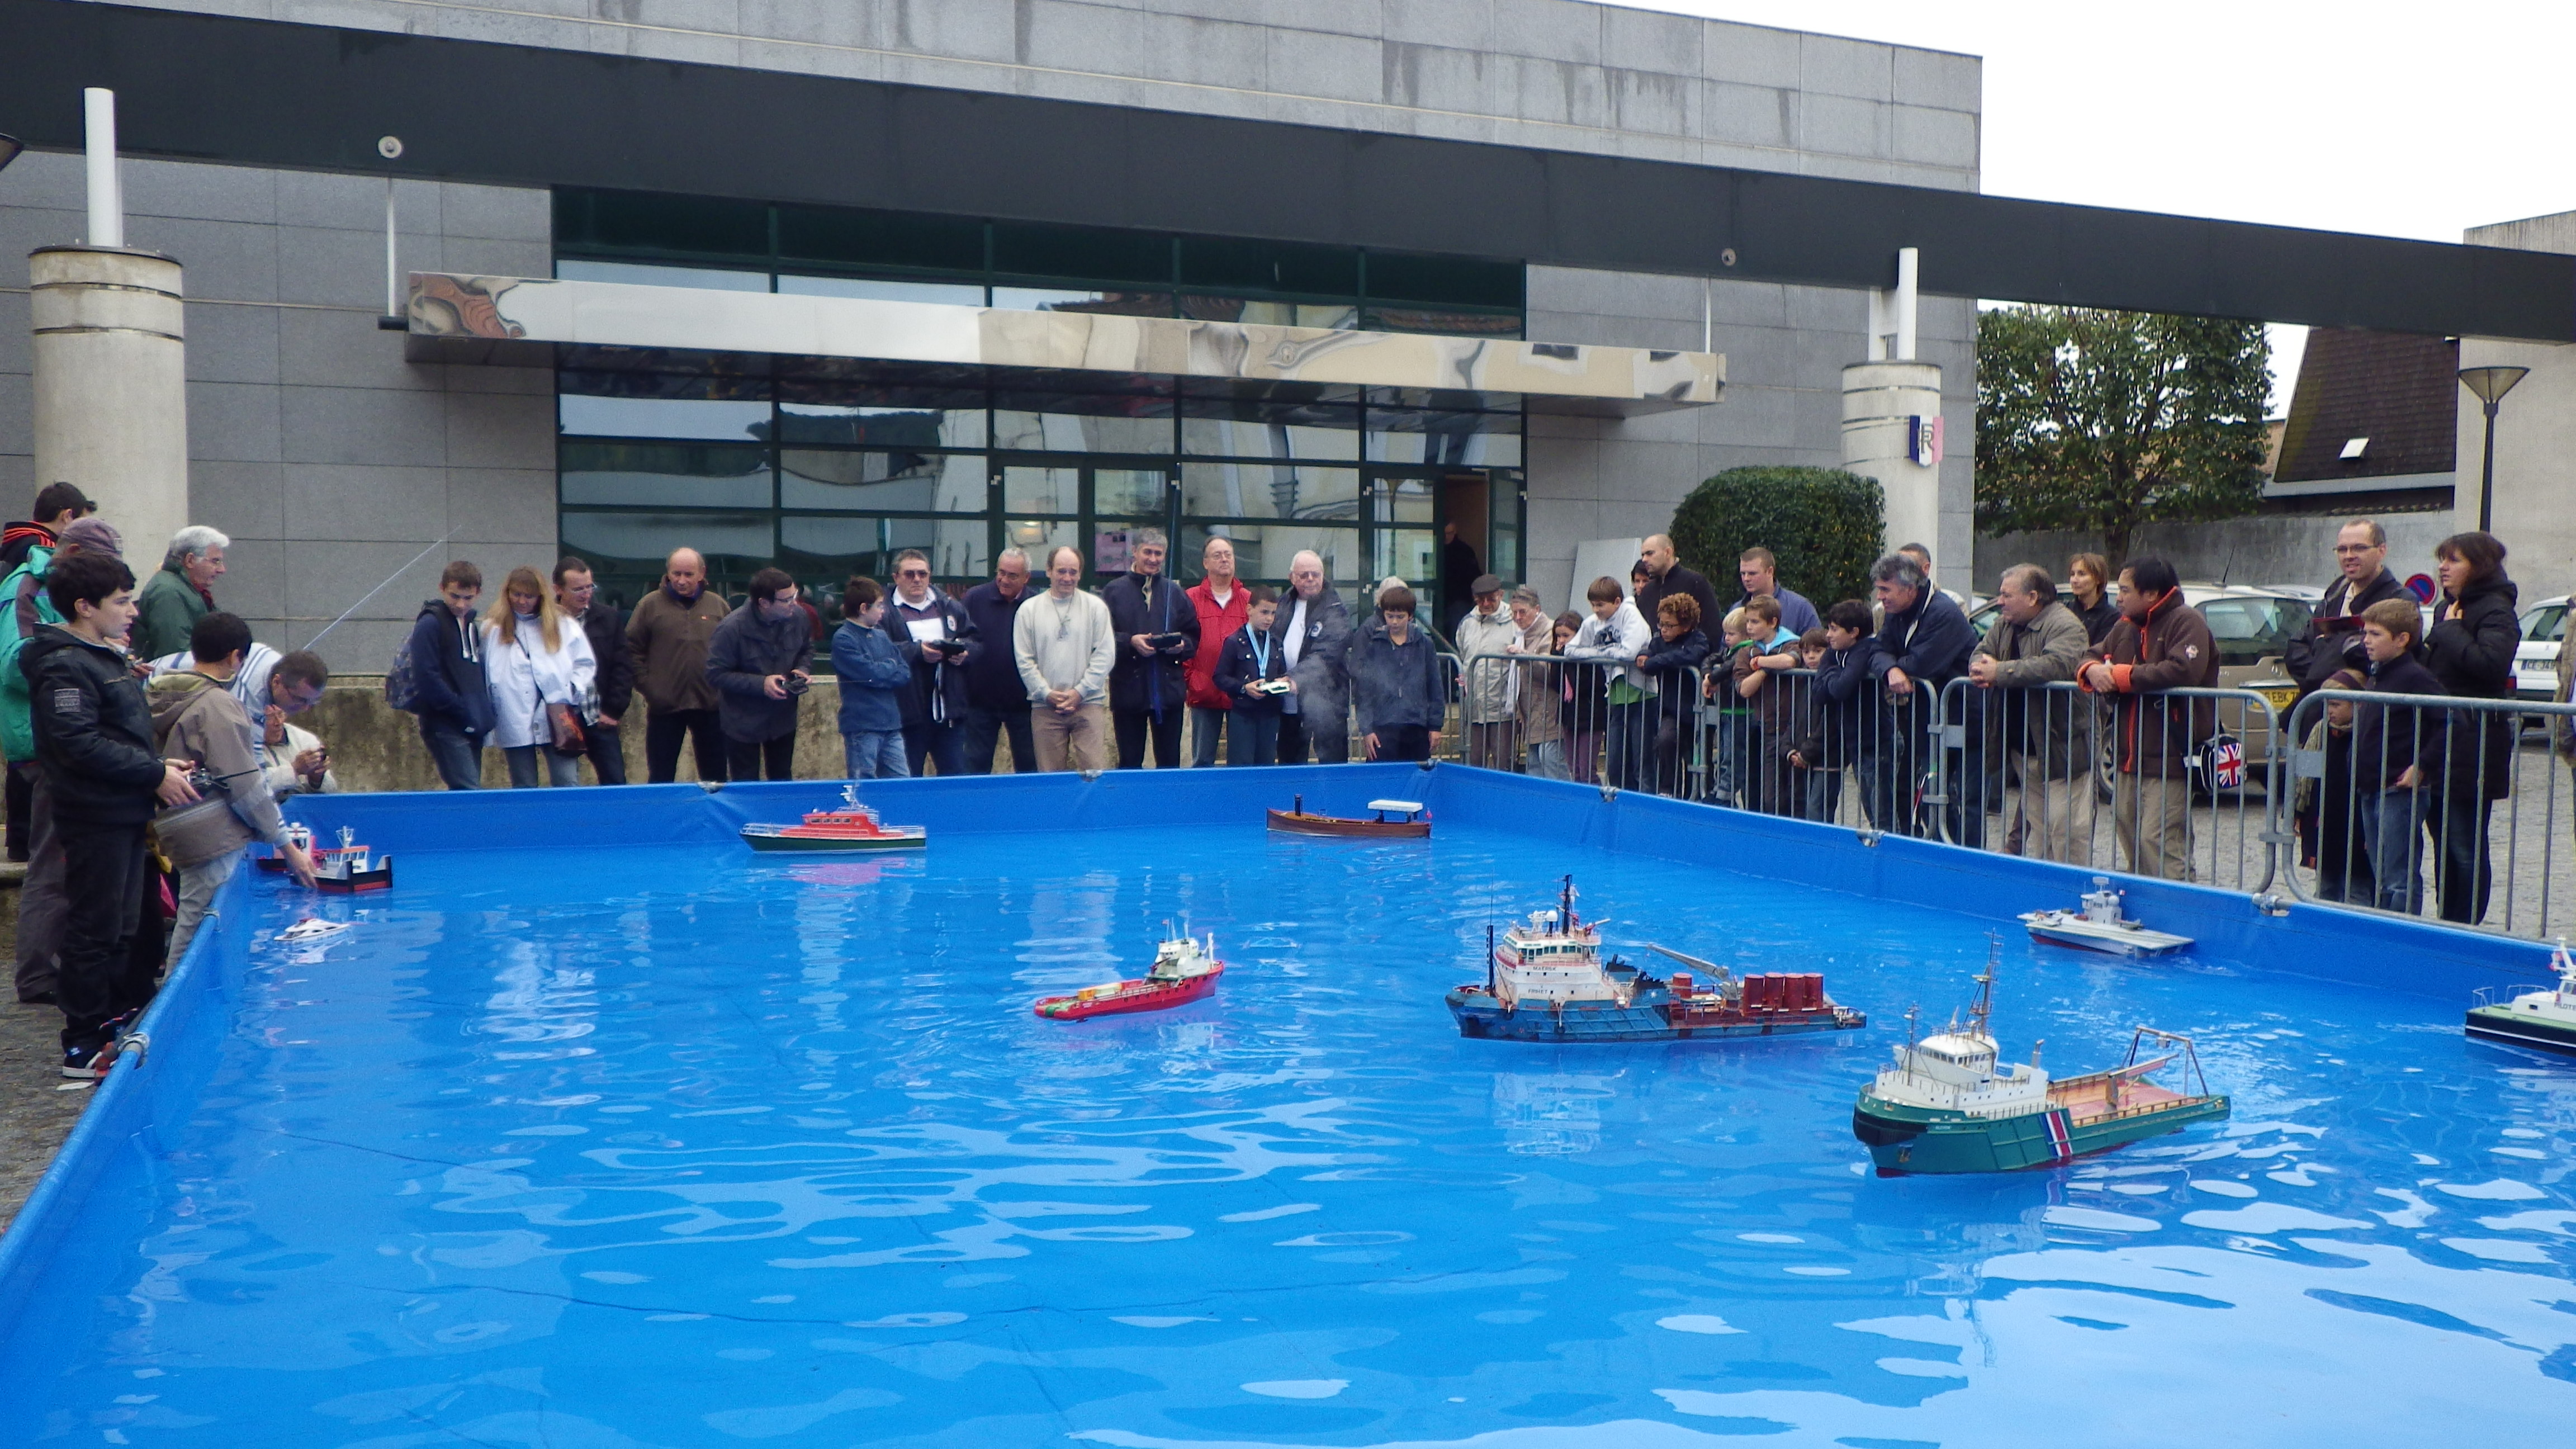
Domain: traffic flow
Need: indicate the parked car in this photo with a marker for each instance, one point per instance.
(2535, 660)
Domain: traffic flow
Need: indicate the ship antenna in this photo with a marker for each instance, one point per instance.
(1296, 804)
(1489, 959)
(1568, 902)
(1986, 987)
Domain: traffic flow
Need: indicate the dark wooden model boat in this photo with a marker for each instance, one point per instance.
(1413, 823)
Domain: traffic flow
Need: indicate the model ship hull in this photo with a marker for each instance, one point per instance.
(1481, 1016)
(356, 882)
(1129, 996)
(2069, 928)
(1905, 1139)
(2522, 1028)
(800, 839)
(1298, 823)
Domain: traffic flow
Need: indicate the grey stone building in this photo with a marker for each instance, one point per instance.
(334, 452)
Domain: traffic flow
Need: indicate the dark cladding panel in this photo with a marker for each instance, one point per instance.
(266, 93)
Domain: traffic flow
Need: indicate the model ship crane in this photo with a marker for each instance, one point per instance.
(2100, 926)
(1184, 970)
(850, 826)
(1951, 1104)
(2544, 1018)
(1545, 981)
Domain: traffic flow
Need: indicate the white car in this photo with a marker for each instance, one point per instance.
(2535, 659)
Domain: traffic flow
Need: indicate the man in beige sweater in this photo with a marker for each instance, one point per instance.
(199, 722)
(1064, 645)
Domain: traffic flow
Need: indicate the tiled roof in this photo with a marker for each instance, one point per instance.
(2396, 389)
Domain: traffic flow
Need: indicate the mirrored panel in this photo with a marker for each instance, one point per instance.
(1129, 492)
(1079, 433)
(735, 544)
(875, 289)
(889, 482)
(1032, 490)
(1269, 490)
(1038, 538)
(1444, 439)
(1331, 316)
(1248, 428)
(580, 415)
(1114, 304)
(1264, 551)
(829, 548)
(645, 475)
(879, 426)
(1502, 326)
(721, 279)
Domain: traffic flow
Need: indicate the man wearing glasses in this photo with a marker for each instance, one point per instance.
(614, 687)
(935, 636)
(996, 701)
(2332, 640)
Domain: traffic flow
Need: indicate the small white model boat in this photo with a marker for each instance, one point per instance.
(311, 928)
(2543, 1017)
(2099, 926)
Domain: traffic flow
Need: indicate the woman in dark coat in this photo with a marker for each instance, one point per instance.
(2470, 648)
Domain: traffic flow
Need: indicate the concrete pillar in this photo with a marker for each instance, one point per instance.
(1892, 432)
(111, 388)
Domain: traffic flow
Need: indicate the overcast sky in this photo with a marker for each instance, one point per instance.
(2398, 122)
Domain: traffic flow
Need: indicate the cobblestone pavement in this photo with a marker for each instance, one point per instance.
(34, 1116)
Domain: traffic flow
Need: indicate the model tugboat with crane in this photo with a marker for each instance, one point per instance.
(849, 826)
(1545, 981)
(1184, 970)
(2543, 1017)
(1949, 1104)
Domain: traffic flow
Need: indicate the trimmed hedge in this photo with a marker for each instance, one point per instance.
(1823, 523)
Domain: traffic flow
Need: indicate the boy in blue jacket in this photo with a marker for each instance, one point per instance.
(1252, 673)
(1846, 688)
(874, 677)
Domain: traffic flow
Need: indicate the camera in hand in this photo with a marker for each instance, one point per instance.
(1163, 641)
(797, 684)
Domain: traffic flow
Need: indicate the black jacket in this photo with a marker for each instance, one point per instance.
(1930, 642)
(2387, 738)
(1666, 659)
(2473, 657)
(615, 682)
(1239, 666)
(1846, 690)
(1150, 604)
(2097, 620)
(1681, 580)
(992, 671)
(94, 737)
(447, 671)
(745, 650)
(938, 691)
(2321, 648)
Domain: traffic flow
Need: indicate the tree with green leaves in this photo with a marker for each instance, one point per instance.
(2113, 420)
(1821, 523)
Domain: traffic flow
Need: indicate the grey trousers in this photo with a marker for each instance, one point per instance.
(197, 886)
(40, 899)
(2151, 820)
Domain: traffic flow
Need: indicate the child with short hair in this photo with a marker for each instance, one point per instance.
(1729, 771)
(1844, 676)
(1252, 674)
(1681, 647)
(1578, 689)
(873, 677)
(1613, 638)
(2398, 753)
(1768, 649)
(2333, 837)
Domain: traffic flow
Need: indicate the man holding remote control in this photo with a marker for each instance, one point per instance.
(1158, 631)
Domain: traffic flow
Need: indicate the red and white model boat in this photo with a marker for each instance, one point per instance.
(1184, 970)
(849, 826)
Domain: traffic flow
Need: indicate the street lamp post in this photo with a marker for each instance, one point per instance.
(2490, 384)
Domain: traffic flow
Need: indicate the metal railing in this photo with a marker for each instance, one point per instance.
(1651, 743)
(2429, 805)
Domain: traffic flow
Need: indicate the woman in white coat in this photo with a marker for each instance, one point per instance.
(540, 670)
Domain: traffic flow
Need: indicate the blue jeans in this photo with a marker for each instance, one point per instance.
(935, 743)
(561, 769)
(458, 755)
(1628, 743)
(1206, 727)
(2396, 822)
(875, 755)
(1824, 793)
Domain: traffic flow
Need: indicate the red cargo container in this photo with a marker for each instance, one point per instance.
(1811, 991)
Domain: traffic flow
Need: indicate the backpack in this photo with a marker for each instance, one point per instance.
(402, 691)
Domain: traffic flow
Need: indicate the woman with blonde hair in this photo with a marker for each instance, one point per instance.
(540, 670)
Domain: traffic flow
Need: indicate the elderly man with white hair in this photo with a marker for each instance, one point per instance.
(181, 594)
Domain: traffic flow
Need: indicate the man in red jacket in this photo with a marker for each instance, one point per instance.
(2160, 643)
(1222, 603)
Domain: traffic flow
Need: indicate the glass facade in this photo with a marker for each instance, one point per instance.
(828, 467)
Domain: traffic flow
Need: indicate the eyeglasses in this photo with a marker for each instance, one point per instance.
(912, 573)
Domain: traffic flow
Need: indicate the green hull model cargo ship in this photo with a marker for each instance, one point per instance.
(1949, 1104)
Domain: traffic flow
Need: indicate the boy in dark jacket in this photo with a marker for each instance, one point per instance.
(756, 661)
(873, 679)
(454, 701)
(105, 776)
(1252, 674)
(2397, 755)
(1846, 684)
(1395, 682)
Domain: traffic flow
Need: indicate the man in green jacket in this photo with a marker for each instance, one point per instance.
(181, 594)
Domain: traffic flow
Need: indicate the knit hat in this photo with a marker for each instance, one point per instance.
(2345, 679)
(93, 535)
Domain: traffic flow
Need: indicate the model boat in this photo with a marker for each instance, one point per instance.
(848, 826)
(2544, 1017)
(311, 928)
(1950, 1105)
(299, 835)
(1184, 970)
(1545, 981)
(2099, 926)
(348, 867)
(1411, 823)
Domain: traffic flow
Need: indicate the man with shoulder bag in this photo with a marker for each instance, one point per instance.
(196, 719)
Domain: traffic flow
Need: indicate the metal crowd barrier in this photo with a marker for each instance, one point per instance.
(1653, 745)
(2473, 842)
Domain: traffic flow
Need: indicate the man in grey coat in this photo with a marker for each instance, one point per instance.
(2046, 735)
(1314, 634)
